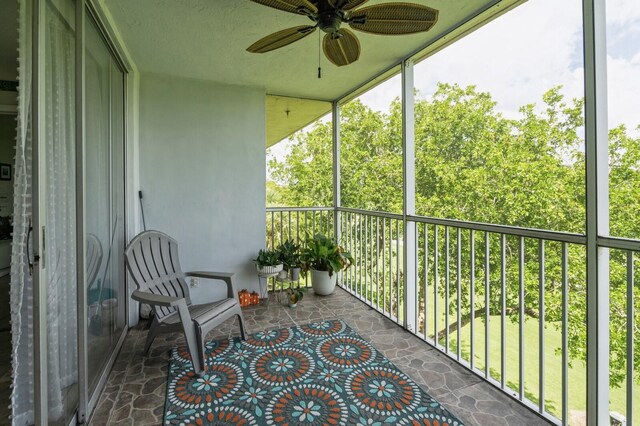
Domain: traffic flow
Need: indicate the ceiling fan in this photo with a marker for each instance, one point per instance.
(340, 45)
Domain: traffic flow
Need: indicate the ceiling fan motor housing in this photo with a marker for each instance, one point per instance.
(329, 21)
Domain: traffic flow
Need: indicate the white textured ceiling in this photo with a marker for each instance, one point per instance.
(206, 39)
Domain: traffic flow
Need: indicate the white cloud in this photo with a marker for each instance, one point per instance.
(624, 92)
(516, 58)
(622, 12)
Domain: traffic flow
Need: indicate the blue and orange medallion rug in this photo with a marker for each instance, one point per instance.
(316, 374)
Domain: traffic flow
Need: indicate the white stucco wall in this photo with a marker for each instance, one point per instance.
(202, 173)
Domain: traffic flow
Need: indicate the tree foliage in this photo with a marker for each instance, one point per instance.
(474, 164)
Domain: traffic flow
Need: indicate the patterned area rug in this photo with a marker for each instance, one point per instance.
(315, 374)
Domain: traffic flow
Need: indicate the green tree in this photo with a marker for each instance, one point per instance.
(474, 164)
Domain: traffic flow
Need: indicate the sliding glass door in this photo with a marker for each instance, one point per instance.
(104, 201)
(75, 247)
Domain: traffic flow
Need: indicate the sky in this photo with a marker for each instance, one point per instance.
(522, 54)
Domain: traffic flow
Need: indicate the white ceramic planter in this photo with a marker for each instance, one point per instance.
(323, 284)
(295, 274)
(269, 271)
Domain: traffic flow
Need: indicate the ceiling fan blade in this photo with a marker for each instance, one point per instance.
(394, 18)
(281, 39)
(343, 50)
(294, 6)
(347, 4)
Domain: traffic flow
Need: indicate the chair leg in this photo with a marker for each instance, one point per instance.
(243, 330)
(151, 335)
(201, 357)
(191, 337)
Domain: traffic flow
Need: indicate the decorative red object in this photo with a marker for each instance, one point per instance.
(248, 299)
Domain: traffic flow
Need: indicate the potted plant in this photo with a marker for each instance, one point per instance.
(268, 262)
(324, 258)
(295, 295)
(290, 257)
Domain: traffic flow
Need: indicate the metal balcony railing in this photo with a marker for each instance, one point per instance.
(496, 299)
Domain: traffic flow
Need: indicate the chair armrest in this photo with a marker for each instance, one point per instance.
(156, 299)
(223, 276)
(210, 275)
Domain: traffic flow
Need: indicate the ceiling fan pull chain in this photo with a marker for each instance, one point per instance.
(319, 68)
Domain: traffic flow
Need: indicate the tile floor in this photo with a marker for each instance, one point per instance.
(135, 391)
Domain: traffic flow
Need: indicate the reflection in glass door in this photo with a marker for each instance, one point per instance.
(104, 201)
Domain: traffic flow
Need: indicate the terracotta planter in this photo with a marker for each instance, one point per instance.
(322, 283)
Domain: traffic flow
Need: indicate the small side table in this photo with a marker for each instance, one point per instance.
(265, 300)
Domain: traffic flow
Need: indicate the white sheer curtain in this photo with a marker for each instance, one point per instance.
(60, 254)
(21, 285)
(60, 240)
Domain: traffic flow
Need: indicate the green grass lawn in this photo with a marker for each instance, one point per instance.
(577, 383)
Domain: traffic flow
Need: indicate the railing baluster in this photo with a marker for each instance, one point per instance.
(289, 231)
(391, 293)
(435, 284)
(630, 337)
(356, 249)
(398, 307)
(487, 312)
(541, 319)
(446, 284)
(370, 268)
(360, 257)
(352, 251)
(273, 230)
(459, 290)
(521, 318)
(426, 281)
(565, 334)
(390, 269)
(416, 253)
(365, 261)
(384, 265)
(472, 296)
(503, 310)
(281, 227)
(378, 263)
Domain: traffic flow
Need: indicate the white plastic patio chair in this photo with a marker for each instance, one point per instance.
(152, 261)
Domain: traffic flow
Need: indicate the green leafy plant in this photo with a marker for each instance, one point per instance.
(267, 258)
(295, 295)
(323, 254)
(289, 254)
